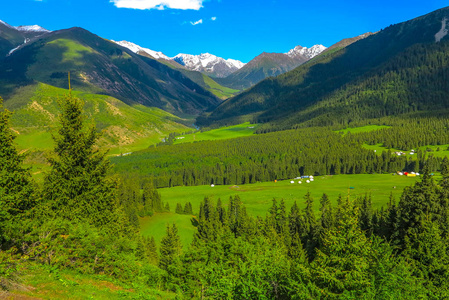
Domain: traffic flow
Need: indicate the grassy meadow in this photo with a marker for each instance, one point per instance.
(363, 129)
(218, 90)
(244, 129)
(258, 197)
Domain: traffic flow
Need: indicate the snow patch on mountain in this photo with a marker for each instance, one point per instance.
(12, 50)
(443, 31)
(136, 48)
(306, 52)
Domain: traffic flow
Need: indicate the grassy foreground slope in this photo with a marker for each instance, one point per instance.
(125, 127)
(46, 282)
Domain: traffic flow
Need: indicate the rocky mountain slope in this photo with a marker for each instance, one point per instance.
(268, 65)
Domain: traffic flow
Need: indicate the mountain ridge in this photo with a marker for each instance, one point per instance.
(100, 66)
(392, 72)
(268, 65)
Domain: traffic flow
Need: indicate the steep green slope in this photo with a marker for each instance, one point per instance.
(102, 67)
(210, 84)
(399, 70)
(125, 127)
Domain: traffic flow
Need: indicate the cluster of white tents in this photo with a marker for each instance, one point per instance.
(308, 179)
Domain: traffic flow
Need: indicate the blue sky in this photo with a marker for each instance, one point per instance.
(238, 29)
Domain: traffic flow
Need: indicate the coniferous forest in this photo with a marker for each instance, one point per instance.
(85, 219)
(81, 216)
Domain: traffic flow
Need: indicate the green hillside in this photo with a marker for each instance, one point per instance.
(399, 70)
(210, 84)
(101, 67)
(125, 127)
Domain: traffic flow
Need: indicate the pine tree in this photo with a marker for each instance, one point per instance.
(421, 199)
(366, 216)
(15, 181)
(77, 186)
(342, 263)
(429, 251)
(237, 216)
(151, 251)
(188, 209)
(179, 209)
(170, 248)
(444, 198)
(312, 237)
(391, 231)
(327, 216)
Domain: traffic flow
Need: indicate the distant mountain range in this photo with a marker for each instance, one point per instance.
(400, 70)
(206, 63)
(96, 66)
(233, 73)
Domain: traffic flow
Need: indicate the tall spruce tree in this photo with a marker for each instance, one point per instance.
(419, 201)
(170, 248)
(342, 263)
(429, 252)
(366, 215)
(77, 186)
(15, 181)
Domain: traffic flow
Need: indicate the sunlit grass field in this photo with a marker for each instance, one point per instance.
(229, 132)
(363, 129)
(258, 197)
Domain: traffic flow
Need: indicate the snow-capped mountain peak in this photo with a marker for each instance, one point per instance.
(34, 28)
(205, 62)
(209, 63)
(307, 52)
(26, 28)
(136, 48)
(237, 63)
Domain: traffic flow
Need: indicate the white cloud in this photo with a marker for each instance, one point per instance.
(213, 18)
(200, 21)
(159, 4)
